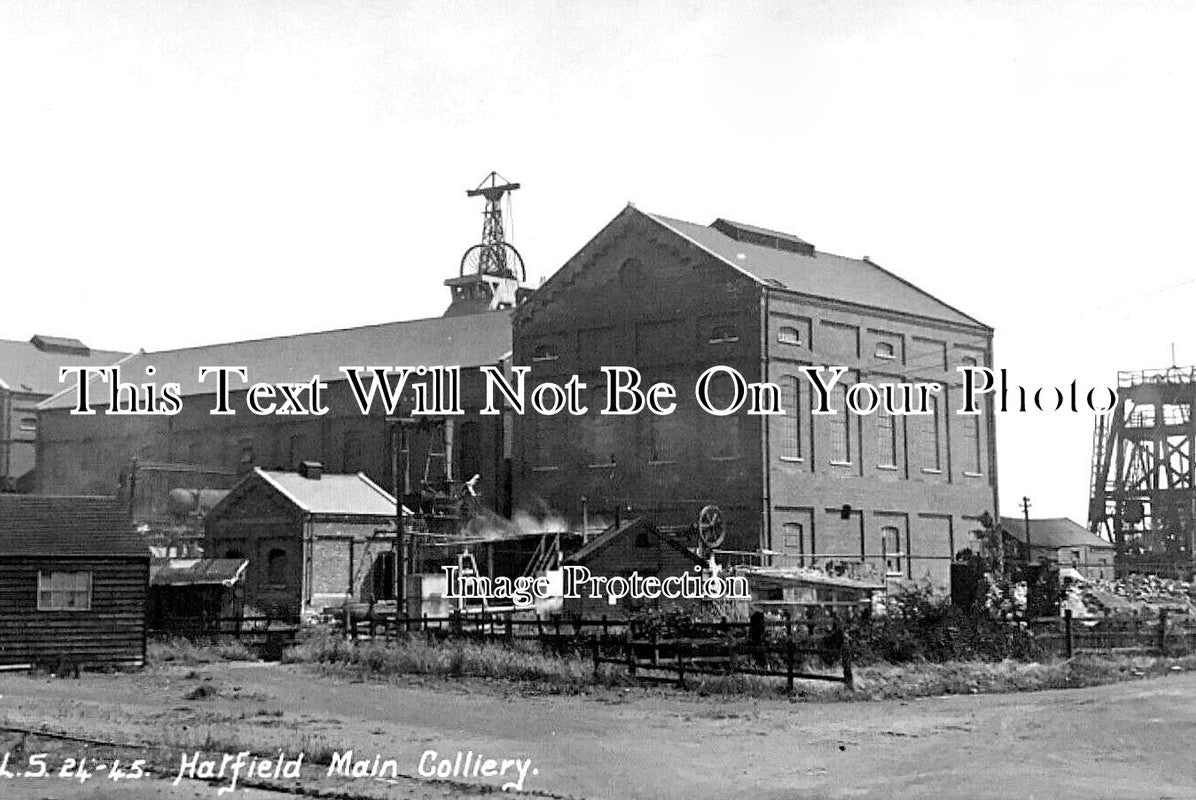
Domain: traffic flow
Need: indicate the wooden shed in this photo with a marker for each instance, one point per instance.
(634, 546)
(73, 582)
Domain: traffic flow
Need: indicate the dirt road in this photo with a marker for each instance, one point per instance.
(1130, 740)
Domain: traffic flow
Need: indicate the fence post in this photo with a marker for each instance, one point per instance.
(510, 628)
(655, 648)
(680, 668)
(1069, 643)
(630, 655)
(790, 649)
(596, 659)
(848, 673)
(1163, 632)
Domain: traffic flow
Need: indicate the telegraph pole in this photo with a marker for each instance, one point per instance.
(1026, 516)
(399, 546)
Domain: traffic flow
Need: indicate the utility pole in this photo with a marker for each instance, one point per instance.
(1026, 516)
(399, 546)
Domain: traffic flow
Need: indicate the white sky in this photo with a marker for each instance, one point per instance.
(188, 172)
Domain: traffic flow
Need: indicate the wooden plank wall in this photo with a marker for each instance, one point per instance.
(111, 633)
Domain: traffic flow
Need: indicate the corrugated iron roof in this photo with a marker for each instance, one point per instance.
(332, 493)
(467, 341)
(39, 525)
(1053, 532)
(820, 275)
(24, 367)
(197, 571)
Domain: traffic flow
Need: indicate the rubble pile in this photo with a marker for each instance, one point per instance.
(1138, 595)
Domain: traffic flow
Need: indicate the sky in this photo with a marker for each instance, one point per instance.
(174, 174)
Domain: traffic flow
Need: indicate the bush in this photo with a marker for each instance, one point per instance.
(178, 650)
(920, 625)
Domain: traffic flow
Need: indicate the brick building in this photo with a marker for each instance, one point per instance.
(673, 298)
(28, 375)
(312, 539)
(90, 453)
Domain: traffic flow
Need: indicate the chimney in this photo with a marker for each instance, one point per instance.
(312, 470)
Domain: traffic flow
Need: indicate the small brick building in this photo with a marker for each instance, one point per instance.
(313, 539)
(73, 581)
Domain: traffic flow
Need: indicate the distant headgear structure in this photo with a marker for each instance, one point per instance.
(1143, 496)
(492, 275)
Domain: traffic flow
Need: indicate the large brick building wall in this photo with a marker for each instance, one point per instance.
(672, 299)
(89, 453)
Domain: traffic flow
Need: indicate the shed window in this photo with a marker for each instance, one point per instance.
(276, 567)
(64, 591)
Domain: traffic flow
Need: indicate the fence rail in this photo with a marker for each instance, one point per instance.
(777, 648)
(1068, 635)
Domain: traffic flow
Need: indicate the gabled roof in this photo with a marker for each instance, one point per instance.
(467, 341)
(32, 366)
(331, 494)
(39, 525)
(1053, 532)
(794, 264)
(611, 534)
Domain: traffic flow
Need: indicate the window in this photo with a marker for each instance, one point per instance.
(544, 443)
(29, 424)
(246, 446)
(886, 350)
(894, 553)
(793, 540)
(664, 438)
(969, 361)
(886, 440)
(971, 444)
(789, 335)
(64, 591)
(840, 427)
(928, 438)
(351, 452)
(599, 431)
(1075, 556)
(384, 576)
(723, 334)
(789, 425)
(722, 433)
(632, 273)
(544, 352)
(276, 567)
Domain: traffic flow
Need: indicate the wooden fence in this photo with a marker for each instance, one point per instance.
(791, 648)
(1166, 634)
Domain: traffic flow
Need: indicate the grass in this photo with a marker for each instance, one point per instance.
(177, 650)
(527, 665)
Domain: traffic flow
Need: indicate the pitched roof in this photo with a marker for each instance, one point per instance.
(795, 265)
(588, 550)
(467, 341)
(28, 367)
(1053, 532)
(39, 525)
(197, 571)
(331, 493)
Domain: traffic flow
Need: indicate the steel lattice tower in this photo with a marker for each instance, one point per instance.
(1143, 490)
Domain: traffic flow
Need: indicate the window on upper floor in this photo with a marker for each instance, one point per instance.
(544, 352)
(29, 424)
(886, 440)
(886, 350)
(723, 334)
(789, 335)
(789, 424)
(840, 424)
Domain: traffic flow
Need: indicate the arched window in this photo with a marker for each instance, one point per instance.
(886, 350)
(723, 334)
(789, 425)
(789, 335)
(276, 567)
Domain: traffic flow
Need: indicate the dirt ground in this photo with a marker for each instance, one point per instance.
(1129, 740)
